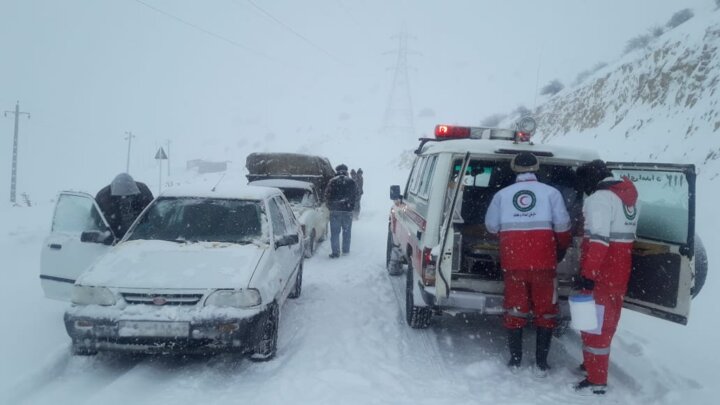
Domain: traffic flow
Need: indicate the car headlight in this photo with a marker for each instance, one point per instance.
(86, 295)
(246, 298)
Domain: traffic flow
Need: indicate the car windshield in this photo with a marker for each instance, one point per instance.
(200, 220)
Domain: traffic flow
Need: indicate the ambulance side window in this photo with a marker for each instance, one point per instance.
(417, 175)
(427, 176)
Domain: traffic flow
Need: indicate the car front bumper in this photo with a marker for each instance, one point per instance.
(112, 330)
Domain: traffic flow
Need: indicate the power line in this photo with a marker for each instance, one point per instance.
(210, 33)
(297, 34)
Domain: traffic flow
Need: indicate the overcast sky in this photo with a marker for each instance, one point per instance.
(218, 75)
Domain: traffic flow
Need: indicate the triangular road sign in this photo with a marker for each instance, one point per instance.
(160, 154)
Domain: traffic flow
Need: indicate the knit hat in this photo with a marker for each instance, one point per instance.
(590, 174)
(341, 169)
(524, 162)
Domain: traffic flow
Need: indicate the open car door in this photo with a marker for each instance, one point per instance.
(663, 264)
(449, 252)
(79, 235)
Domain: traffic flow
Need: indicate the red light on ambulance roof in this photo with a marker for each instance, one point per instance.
(449, 131)
(522, 136)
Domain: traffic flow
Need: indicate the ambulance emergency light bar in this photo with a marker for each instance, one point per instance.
(523, 131)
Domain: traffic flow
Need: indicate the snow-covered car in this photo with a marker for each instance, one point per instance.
(436, 225)
(305, 202)
(200, 270)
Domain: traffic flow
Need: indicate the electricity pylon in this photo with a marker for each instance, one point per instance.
(398, 121)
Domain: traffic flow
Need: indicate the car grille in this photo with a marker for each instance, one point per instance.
(162, 299)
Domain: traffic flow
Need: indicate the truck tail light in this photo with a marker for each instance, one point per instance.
(428, 267)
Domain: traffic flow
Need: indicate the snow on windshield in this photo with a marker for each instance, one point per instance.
(200, 219)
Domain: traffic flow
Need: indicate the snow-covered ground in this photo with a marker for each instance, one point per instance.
(344, 341)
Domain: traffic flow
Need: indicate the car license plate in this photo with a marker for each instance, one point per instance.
(153, 329)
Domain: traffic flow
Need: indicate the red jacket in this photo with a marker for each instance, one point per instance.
(610, 225)
(533, 224)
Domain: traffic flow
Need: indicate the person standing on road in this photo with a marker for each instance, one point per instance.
(610, 219)
(122, 201)
(340, 195)
(534, 230)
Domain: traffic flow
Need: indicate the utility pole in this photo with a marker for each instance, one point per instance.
(13, 176)
(129, 138)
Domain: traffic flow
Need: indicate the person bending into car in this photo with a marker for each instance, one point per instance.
(534, 231)
(610, 219)
(340, 195)
(122, 201)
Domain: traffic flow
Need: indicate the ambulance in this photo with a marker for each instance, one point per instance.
(437, 238)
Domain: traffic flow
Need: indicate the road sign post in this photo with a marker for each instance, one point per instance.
(160, 155)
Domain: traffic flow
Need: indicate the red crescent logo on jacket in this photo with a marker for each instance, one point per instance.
(524, 200)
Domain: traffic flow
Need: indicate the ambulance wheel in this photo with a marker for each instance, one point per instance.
(701, 266)
(416, 317)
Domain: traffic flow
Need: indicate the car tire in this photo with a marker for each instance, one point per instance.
(81, 350)
(416, 317)
(394, 268)
(310, 250)
(266, 347)
(297, 288)
(701, 266)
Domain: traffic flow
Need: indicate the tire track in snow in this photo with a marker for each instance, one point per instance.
(83, 376)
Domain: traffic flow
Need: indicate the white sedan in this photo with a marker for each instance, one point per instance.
(200, 270)
(308, 207)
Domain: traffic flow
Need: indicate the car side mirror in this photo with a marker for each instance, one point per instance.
(104, 237)
(395, 193)
(287, 240)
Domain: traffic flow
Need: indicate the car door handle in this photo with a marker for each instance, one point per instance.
(55, 246)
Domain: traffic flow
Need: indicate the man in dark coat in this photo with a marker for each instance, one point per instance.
(122, 201)
(340, 196)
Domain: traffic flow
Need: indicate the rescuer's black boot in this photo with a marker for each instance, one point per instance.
(515, 346)
(542, 348)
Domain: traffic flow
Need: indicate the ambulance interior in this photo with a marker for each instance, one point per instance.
(477, 268)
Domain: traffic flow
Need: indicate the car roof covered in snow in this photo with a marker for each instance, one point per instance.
(509, 148)
(283, 183)
(228, 190)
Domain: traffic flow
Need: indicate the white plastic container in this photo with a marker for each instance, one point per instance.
(583, 313)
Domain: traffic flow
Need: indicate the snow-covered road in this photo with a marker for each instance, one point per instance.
(344, 341)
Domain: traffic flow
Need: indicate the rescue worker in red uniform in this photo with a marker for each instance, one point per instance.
(534, 231)
(606, 260)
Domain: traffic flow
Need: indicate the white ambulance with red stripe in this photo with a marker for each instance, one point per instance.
(438, 240)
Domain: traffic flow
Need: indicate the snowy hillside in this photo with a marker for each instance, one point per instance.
(660, 103)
